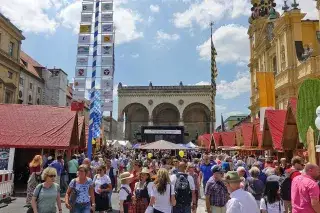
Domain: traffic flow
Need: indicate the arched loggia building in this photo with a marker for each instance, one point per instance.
(169, 106)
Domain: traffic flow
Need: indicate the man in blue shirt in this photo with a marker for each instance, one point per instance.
(58, 165)
(205, 170)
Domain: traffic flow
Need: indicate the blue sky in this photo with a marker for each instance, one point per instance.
(163, 41)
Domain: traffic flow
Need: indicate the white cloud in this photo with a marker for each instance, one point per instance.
(125, 20)
(31, 15)
(202, 83)
(154, 8)
(203, 12)
(162, 36)
(150, 20)
(231, 42)
(135, 55)
(232, 89)
(220, 108)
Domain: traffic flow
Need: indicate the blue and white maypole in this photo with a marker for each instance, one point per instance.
(93, 114)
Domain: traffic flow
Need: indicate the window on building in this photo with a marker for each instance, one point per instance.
(274, 65)
(11, 48)
(30, 98)
(38, 101)
(8, 97)
(24, 63)
(10, 74)
(30, 86)
(39, 90)
(21, 81)
(0, 39)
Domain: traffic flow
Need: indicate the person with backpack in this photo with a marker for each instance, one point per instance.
(125, 193)
(216, 192)
(254, 185)
(46, 195)
(286, 182)
(271, 201)
(184, 188)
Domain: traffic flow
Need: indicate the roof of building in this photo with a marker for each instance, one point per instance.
(247, 133)
(276, 121)
(235, 117)
(15, 28)
(204, 140)
(38, 126)
(228, 138)
(30, 65)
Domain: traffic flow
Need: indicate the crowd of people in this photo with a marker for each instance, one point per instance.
(161, 182)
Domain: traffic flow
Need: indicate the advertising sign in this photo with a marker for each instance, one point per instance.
(106, 50)
(87, 7)
(83, 50)
(81, 72)
(107, 28)
(85, 28)
(106, 39)
(82, 61)
(106, 71)
(107, 84)
(106, 6)
(79, 83)
(84, 39)
(86, 17)
(107, 17)
(106, 61)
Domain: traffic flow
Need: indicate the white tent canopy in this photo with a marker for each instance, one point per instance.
(119, 144)
(191, 145)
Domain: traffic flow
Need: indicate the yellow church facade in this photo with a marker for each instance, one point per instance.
(288, 46)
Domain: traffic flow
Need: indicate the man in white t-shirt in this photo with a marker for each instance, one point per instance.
(184, 197)
(241, 201)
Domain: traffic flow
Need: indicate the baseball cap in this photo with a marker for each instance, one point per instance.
(216, 168)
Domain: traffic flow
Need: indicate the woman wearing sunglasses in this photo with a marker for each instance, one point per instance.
(46, 196)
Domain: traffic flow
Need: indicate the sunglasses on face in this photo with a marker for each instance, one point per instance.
(51, 176)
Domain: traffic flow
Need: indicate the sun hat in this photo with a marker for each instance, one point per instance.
(126, 175)
(145, 170)
(232, 177)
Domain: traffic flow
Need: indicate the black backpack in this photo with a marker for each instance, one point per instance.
(285, 183)
(182, 190)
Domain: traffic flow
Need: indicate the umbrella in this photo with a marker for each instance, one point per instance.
(163, 145)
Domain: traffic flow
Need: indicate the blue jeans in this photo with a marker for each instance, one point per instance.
(182, 209)
(110, 195)
(78, 208)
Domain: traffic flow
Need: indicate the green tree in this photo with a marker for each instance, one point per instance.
(308, 101)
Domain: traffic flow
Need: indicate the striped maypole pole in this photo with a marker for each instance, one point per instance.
(214, 74)
(93, 80)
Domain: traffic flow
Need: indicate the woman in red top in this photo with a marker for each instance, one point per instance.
(34, 177)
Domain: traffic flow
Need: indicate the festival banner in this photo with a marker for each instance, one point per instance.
(107, 106)
(82, 61)
(106, 72)
(86, 28)
(81, 72)
(84, 39)
(79, 83)
(106, 38)
(107, 17)
(83, 50)
(107, 28)
(106, 61)
(107, 84)
(106, 50)
(86, 17)
(78, 94)
(106, 6)
(87, 7)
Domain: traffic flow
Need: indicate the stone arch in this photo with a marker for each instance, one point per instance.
(196, 118)
(166, 114)
(137, 115)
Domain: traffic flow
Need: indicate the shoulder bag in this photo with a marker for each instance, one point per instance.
(30, 209)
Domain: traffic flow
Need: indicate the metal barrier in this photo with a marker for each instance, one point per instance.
(6, 185)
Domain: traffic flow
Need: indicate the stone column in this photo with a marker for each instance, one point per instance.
(181, 122)
(120, 123)
(150, 122)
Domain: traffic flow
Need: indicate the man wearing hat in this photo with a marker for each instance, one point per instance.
(241, 201)
(216, 192)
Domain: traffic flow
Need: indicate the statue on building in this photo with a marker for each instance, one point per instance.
(263, 9)
(120, 85)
